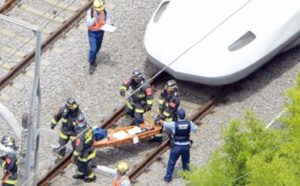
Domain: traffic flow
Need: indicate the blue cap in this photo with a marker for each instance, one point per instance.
(181, 113)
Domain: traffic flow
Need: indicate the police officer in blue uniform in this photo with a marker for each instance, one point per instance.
(181, 133)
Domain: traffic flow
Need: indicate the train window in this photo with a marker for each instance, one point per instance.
(160, 11)
(242, 41)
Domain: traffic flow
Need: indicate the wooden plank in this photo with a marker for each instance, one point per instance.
(6, 66)
(4, 97)
(82, 27)
(29, 74)
(44, 31)
(13, 51)
(17, 86)
(61, 5)
(44, 62)
(41, 13)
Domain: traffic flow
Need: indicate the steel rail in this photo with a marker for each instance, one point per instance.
(25, 62)
(164, 146)
(108, 123)
(155, 154)
(8, 6)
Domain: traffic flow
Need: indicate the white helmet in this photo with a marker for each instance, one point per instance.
(80, 121)
(8, 141)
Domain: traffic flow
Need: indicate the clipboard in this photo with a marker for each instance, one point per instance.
(108, 28)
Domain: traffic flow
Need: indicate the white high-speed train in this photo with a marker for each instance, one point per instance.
(218, 42)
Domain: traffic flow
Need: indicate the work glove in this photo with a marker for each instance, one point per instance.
(101, 167)
(122, 93)
(143, 103)
(52, 126)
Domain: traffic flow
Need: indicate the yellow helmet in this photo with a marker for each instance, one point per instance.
(98, 5)
(122, 167)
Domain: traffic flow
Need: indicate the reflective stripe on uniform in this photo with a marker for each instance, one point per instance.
(53, 121)
(161, 101)
(169, 119)
(76, 153)
(150, 101)
(166, 113)
(123, 88)
(72, 137)
(3, 164)
(62, 135)
(78, 172)
(90, 156)
(12, 182)
(129, 105)
(91, 175)
(158, 135)
(139, 110)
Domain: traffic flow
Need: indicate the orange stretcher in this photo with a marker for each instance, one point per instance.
(122, 135)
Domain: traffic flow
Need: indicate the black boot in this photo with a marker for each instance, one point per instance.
(77, 176)
(155, 139)
(92, 68)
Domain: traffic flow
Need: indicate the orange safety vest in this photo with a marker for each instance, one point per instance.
(117, 181)
(98, 23)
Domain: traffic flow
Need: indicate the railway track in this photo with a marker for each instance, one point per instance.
(17, 67)
(149, 158)
(58, 31)
(115, 59)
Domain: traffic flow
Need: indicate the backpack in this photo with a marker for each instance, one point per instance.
(99, 133)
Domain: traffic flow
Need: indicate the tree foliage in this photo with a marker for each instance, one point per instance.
(253, 155)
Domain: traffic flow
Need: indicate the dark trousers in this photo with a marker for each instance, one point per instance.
(62, 146)
(83, 168)
(12, 179)
(137, 115)
(95, 40)
(176, 151)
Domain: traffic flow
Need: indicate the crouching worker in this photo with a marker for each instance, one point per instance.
(121, 177)
(84, 150)
(9, 162)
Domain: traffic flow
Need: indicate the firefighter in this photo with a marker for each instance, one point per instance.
(67, 114)
(10, 162)
(141, 99)
(168, 103)
(121, 177)
(84, 150)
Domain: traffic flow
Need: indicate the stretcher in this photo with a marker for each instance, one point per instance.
(128, 134)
